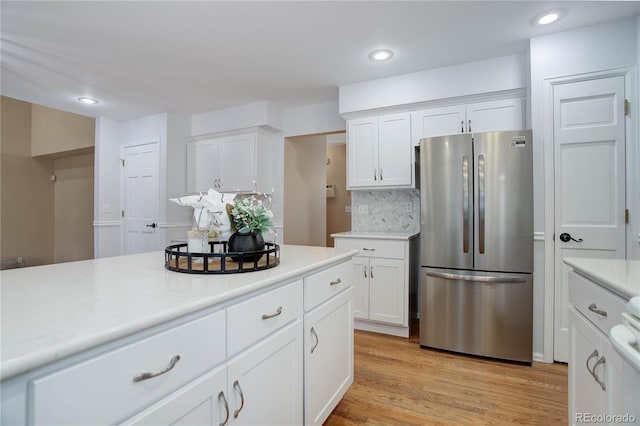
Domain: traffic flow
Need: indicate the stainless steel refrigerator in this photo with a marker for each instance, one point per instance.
(476, 242)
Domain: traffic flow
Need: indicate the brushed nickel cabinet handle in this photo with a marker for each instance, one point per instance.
(278, 312)
(336, 282)
(375, 174)
(236, 384)
(461, 126)
(365, 271)
(593, 355)
(313, 331)
(226, 408)
(602, 361)
(594, 308)
(380, 174)
(145, 376)
(371, 272)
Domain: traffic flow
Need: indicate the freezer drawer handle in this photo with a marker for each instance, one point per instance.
(474, 278)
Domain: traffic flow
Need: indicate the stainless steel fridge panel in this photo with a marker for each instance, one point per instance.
(446, 201)
(477, 313)
(503, 199)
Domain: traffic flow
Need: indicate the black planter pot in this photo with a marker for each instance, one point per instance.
(243, 243)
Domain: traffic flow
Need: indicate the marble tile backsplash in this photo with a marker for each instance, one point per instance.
(387, 210)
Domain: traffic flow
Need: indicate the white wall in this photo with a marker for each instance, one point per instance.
(586, 50)
(491, 75)
(169, 131)
(107, 222)
(313, 119)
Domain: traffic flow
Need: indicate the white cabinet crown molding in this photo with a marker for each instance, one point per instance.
(469, 99)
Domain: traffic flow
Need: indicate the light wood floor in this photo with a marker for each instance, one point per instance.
(398, 383)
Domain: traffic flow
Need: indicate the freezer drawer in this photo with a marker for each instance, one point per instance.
(486, 314)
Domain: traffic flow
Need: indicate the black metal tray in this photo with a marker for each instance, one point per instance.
(219, 261)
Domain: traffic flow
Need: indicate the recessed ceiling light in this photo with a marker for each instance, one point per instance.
(381, 55)
(549, 17)
(87, 100)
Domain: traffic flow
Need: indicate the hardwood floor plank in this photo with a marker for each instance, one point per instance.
(398, 383)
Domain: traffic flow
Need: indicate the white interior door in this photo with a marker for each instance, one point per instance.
(589, 175)
(141, 198)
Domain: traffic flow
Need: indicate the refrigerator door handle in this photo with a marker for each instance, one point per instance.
(475, 278)
(465, 204)
(481, 203)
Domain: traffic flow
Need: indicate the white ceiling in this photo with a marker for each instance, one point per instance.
(141, 58)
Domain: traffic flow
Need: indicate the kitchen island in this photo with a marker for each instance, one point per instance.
(79, 338)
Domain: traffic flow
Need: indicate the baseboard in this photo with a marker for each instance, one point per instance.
(394, 330)
(539, 357)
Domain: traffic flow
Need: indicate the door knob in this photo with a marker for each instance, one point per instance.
(565, 238)
(153, 225)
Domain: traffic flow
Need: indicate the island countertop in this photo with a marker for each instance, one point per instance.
(618, 275)
(53, 311)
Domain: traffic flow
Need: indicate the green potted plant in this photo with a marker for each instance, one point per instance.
(250, 218)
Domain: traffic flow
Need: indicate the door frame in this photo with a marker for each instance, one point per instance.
(632, 164)
(123, 228)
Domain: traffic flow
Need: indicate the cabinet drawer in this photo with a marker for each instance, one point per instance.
(322, 285)
(587, 297)
(250, 321)
(102, 390)
(394, 249)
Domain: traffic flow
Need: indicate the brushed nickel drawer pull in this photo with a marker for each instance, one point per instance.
(226, 408)
(236, 384)
(313, 331)
(145, 376)
(594, 308)
(278, 312)
(336, 282)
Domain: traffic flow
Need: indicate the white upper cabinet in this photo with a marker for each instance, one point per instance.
(226, 164)
(505, 114)
(380, 152)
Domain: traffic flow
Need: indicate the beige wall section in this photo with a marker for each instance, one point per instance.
(304, 190)
(54, 131)
(27, 206)
(73, 201)
(337, 219)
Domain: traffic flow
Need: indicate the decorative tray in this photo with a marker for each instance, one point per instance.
(219, 261)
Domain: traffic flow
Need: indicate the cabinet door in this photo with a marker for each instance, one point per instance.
(362, 145)
(265, 383)
(202, 165)
(395, 151)
(495, 115)
(387, 289)
(361, 287)
(328, 356)
(437, 122)
(585, 394)
(202, 402)
(237, 168)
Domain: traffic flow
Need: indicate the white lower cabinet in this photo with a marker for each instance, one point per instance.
(201, 403)
(260, 386)
(595, 368)
(265, 382)
(382, 277)
(328, 356)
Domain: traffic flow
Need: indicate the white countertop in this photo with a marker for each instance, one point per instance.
(620, 276)
(376, 235)
(53, 311)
